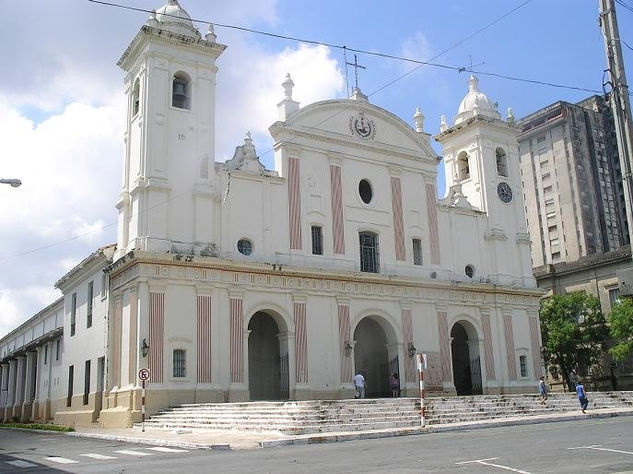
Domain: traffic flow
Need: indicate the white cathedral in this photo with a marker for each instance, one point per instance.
(231, 282)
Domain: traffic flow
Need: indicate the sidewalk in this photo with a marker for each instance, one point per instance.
(234, 440)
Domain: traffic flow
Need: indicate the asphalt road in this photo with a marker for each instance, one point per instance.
(578, 446)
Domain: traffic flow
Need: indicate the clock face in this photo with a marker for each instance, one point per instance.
(504, 191)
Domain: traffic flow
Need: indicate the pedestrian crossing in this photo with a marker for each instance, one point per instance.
(84, 457)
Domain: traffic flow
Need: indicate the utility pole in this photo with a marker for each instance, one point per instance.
(621, 107)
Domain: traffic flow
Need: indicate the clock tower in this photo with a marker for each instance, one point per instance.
(481, 159)
(170, 189)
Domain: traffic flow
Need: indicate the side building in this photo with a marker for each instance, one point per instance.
(575, 209)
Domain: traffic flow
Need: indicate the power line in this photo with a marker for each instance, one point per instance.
(380, 54)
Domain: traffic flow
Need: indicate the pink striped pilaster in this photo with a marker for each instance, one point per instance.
(156, 336)
(488, 355)
(337, 210)
(536, 346)
(294, 203)
(434, 235)
(203, 339)
(133, 347)
(445, 348)
(343, 334)
(237, 341)
(116, 356)
(301, 343)
(398, 226)
(407, 334)
(509, 336)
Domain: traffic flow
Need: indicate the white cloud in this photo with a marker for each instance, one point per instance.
(15, 304)
(248, 97)
(417, 47)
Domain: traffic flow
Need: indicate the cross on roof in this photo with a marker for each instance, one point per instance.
(356, 66)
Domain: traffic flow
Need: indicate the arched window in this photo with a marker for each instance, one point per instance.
(136, 98)
(181, 91)
(502, 162)
(369, 254)
(463, 171)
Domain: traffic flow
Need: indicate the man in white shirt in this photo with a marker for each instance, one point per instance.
(359, 384)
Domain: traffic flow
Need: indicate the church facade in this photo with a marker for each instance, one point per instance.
(231, 282)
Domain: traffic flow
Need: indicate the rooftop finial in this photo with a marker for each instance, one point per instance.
(418, 120)
(472, 84)
(211, 36)
(288, 84)
(510, 117)
(443, 125)
(152, 21)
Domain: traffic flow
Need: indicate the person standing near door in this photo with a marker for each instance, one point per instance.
(360, 385)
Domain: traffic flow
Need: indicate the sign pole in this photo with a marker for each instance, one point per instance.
(421, 382)
(143, 406)
(143, 374)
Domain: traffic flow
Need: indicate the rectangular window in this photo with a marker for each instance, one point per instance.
(369, 256)
(104, 285)
(614, 293)
(317, 240)
(73, 313)
(46, 354)
(417, 252)
(180, 363)
(69, 396)
(523, 365)
(57, 348)
(90, 297)
(87, 383)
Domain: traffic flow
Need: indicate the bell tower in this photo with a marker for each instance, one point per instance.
(481, 157)
(170, 188)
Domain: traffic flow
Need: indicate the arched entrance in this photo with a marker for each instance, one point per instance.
(267, 362)
(375, 357)
(466, 361)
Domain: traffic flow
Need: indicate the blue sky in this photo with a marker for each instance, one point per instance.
(62, 106)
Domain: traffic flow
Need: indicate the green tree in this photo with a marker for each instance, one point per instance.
(574, 331)
(621, 329)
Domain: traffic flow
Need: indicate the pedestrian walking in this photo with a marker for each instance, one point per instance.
(542, 389)
(394, 384)
(359, 385)
(582, 396)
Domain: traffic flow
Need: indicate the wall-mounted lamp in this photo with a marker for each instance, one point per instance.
(411, 350)
(144, 348)
(348, 348)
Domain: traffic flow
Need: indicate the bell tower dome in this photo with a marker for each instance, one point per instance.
(169, 182)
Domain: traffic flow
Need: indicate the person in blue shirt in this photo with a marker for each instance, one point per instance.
(582, 396)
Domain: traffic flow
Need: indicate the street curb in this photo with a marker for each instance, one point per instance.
(151, 442)
(338, 437)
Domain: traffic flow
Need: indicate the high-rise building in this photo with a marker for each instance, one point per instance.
(571, 181)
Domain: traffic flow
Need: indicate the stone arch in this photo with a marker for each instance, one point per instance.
(377, 350)
(466, 356)
(268, 347)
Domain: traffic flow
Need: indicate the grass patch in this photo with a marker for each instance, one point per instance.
(36, 426)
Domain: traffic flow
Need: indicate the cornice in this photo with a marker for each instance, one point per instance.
(238, 274)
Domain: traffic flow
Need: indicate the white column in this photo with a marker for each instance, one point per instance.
(20, 381)
(11, 389)
(4, 386)
(31, 358)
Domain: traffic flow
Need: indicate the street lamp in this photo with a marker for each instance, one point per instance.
(13, 182)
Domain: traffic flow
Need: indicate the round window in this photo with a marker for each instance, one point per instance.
(365, 191)
(469, 271)
(244, 246)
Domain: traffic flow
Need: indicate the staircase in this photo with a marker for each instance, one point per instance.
(293, 417)
(441, 410)
(322, 416)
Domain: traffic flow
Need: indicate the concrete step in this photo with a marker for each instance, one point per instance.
(322, 416)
